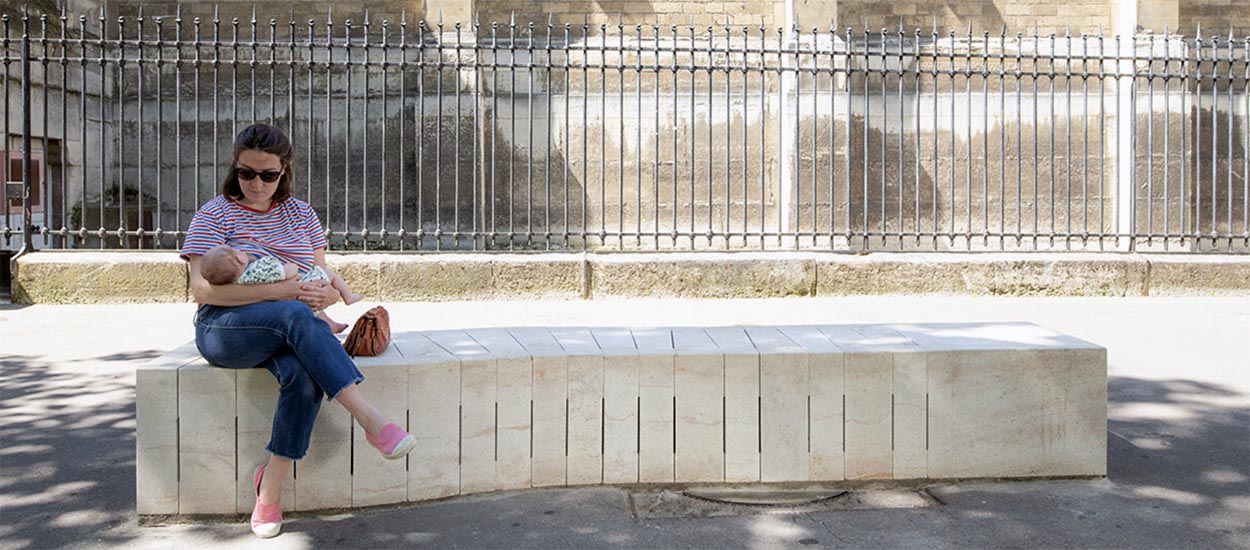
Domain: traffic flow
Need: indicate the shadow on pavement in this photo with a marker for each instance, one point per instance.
(68, 455)
(1183, 446)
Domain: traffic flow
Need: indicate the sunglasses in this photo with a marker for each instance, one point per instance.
(268, 176)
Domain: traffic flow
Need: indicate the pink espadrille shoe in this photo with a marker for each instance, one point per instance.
(266, 518)
(393, 441)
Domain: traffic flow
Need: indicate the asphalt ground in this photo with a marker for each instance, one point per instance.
(1178, 438)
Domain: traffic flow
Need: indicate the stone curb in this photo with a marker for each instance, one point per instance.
(69, 277)
(99, 278)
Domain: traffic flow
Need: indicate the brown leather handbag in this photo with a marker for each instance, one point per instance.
(371, 334)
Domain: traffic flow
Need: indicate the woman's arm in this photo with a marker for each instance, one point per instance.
(236, 295)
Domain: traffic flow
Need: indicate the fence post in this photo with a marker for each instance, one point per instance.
(27, 225)
(789, 127)
(1126, 126)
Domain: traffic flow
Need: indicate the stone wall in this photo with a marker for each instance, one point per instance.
(664, 13)
(1217, 17)
(1050, 16)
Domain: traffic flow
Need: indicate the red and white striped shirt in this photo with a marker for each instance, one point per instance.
(289, 231)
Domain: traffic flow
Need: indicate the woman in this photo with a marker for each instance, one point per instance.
(273, 325)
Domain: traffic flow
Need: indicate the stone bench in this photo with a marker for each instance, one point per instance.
(502, 409)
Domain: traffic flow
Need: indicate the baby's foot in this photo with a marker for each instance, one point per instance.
(352, 298)
(335, 326)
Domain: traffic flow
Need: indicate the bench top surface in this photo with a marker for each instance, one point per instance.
(420, 347)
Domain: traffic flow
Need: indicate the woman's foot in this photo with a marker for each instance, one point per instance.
(266, 518)
(393, 441)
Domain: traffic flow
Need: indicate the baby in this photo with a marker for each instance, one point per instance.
(225, 265)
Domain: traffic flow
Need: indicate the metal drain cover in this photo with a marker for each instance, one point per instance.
(713, 502)
(756, 497)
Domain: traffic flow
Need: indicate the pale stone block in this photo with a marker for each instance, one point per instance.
(323, 480)
(771, 341)
(256, 400)
(499, 342)
(845, 337)
(911, 389)
(826, 371)
(477, 409)
(620, 419)
(458, 343)
(742, 417)
(620, 404)
(156, 440)
(550, 395)
(513, 467)
(1011, 413)
(390, 357)
(206, 452)
(376, 480)
(699, 383)
(986, 336)
(551, 384)
(576, 341)
(656, 414)
(742, 410)
(179, 356)
(156, 431)
(870, 339)
(1055, 381)
(434, 409)
(694, 341)
(876, 355)
(416, 349)
(811, 339)
(652, 341)
(828, 459)
(257, 396)
(784, 452)
(614, 341)
(537, 341)
(585, 459)
(477, 425)
(585, 403)
(784, 375)
(869, 385)
(732, 340)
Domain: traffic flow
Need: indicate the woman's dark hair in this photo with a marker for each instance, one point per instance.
(266, 139)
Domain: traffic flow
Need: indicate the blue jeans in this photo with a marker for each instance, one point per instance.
(288, 340)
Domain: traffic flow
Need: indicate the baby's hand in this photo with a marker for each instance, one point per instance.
(290, 271)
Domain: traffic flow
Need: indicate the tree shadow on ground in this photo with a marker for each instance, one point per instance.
(1180, 442)
(67, 454)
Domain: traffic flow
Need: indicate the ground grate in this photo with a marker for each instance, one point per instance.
(714, 502)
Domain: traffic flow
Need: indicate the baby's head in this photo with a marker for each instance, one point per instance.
(223, 265)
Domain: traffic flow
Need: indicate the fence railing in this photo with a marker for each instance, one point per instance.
(506, 137)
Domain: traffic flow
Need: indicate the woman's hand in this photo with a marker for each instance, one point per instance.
(318, 295)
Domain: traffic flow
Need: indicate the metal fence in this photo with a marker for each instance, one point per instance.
(415, 136)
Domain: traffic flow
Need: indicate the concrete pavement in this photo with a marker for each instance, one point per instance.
(1179, 441)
